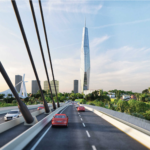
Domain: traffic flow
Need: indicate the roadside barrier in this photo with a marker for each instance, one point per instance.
(131, 130)
(10, 124)
(9, 109)
(23, 139)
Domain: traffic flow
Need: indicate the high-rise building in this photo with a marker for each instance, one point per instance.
(34, 86)
(85, 61)
(46, 86)
(18, 79)
(53, 87)
(75, 86)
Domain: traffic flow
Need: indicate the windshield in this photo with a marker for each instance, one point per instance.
(13, 112)
(62, 116)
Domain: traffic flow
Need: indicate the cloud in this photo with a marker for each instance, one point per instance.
(125, 23)
(124, 68)
(73, 6)
(96, 41)
(9, 31)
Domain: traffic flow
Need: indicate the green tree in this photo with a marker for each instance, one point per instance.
(122, 105)
(146, 91)
(62, 98)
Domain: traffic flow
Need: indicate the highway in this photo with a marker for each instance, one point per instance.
(2, 115)
(12, 133)
(86, 131)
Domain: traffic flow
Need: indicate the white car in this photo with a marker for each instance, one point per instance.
(13, 114)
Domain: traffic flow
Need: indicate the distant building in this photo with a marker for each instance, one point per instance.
(53, 87)
(88, 91)
(75, 86)
(126, 97)
(111, 95)
(46, 87)
(133, 97)
(18, 79)
(34, 87)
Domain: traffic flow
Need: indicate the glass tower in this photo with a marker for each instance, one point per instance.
(85, 60)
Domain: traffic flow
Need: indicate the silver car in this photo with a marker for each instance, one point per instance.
(13, 114)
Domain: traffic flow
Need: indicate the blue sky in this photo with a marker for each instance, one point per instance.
(119, 35)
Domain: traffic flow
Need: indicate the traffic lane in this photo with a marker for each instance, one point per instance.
(2, 115)
(106, 136)
(73, 138)
(12, 133)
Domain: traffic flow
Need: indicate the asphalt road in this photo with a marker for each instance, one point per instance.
(12, 133)
(2, 115)
(86, 131)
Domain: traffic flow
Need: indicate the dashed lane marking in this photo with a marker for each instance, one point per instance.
(83, 124)
(81, 119)
(88, 133)
(93, 147)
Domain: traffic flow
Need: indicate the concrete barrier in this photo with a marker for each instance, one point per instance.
(7, 109)
(134, 121)
(10, 124)
(141, 137)
(23, 139)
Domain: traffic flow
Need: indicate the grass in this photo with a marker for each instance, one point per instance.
(78, 100)
(8, 105)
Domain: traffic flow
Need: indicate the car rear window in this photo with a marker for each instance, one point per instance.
(60, 116)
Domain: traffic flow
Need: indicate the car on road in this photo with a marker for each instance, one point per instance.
(13, 114)
(76, 105)
(60, 120)
(40, 107)
(81, 108)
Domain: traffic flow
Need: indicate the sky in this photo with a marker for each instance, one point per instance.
(119, 39)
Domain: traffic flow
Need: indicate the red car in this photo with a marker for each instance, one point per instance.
(40, 107)
(60, 120)
(80, 108)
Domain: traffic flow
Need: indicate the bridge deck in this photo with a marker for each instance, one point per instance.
(103, 135)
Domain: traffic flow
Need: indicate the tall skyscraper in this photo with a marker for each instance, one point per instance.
(46, 86)
(85, 60)
(75, 86)
(34, 86)
(18, 79)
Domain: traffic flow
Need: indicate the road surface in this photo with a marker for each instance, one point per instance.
(86, 131)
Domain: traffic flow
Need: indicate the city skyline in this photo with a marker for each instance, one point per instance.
(119, 43)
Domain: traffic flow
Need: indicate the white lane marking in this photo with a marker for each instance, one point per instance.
(79, 116)
(43, 135)
(81, 119)
(40, 138)
(88, 133)
(83, 124)
(93, 147)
